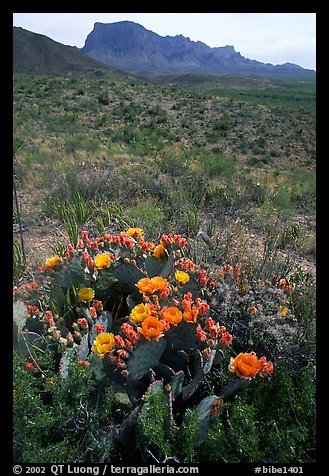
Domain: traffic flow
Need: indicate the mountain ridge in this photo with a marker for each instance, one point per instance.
(34, 53)
(130, 47)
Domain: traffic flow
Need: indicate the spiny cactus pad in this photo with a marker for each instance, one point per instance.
(105, 281)
(145, 356)
(193, 287)
(198, 374)
(164, 372)
(154, 266)
(235, 386)
(97, 364)
(204, 414)
(208, 363)
(65, 362)
(127, 273)
(71, 274)
(176, 383)
(19, 315)
(177, 360)
(167, 270)
(84, 348)
(183, 337)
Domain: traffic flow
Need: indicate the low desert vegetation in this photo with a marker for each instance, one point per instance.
(164, 265)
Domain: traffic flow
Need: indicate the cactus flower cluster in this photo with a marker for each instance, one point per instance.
(139, 314)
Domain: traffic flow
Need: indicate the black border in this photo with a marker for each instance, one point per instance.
(6, 215)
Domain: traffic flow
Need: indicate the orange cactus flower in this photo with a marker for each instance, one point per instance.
(159, 283)
(53, 261)
(149, 286)
(103, 344)
(159, 251)
(245, 365)
(182, 277)
(152, 328)
(145, 286)
(102, 261)
(140, 312)
(172, 315)
(191, 315)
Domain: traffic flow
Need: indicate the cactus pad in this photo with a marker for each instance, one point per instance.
(198, 374)
(19, 315)
(145, 356)
(204, 414)
(233, 387)
(183, 337)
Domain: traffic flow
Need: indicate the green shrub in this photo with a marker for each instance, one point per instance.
(60, 421)
(275, 424)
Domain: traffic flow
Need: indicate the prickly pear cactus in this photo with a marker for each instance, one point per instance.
(19, 315)
(127, 434)
(193, 287)
(204, 414)
(84, 348)
(208, 364)
(106, 320)
(198, 374)
(26, 342)
(154, 266)
(144, 357)
(164, 372)
(105, 283)
(167, 270)
(176, 383)
(71, 274)
(177, 360)
(128, 274)
(183, 337)
(233, 387)
(65, 362)
(98, 366)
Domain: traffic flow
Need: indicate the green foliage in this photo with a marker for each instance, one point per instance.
(273, 422)
(186, 437)
(60, 421)
(105, 155)
(152, 424)
(175, 382)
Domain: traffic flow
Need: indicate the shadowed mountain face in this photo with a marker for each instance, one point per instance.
(38, 54)
(131, 47)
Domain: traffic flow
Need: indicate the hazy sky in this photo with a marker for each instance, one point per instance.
(268, 37)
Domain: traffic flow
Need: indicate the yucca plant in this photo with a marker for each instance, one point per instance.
(19, 263)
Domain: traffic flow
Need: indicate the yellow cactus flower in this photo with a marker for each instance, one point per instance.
(103, 344)
(283, 310)
(159, 251)
(182, 277)
(86, 294)
(53, 261)
(102, 261)
(140, 312)
(133, 232)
